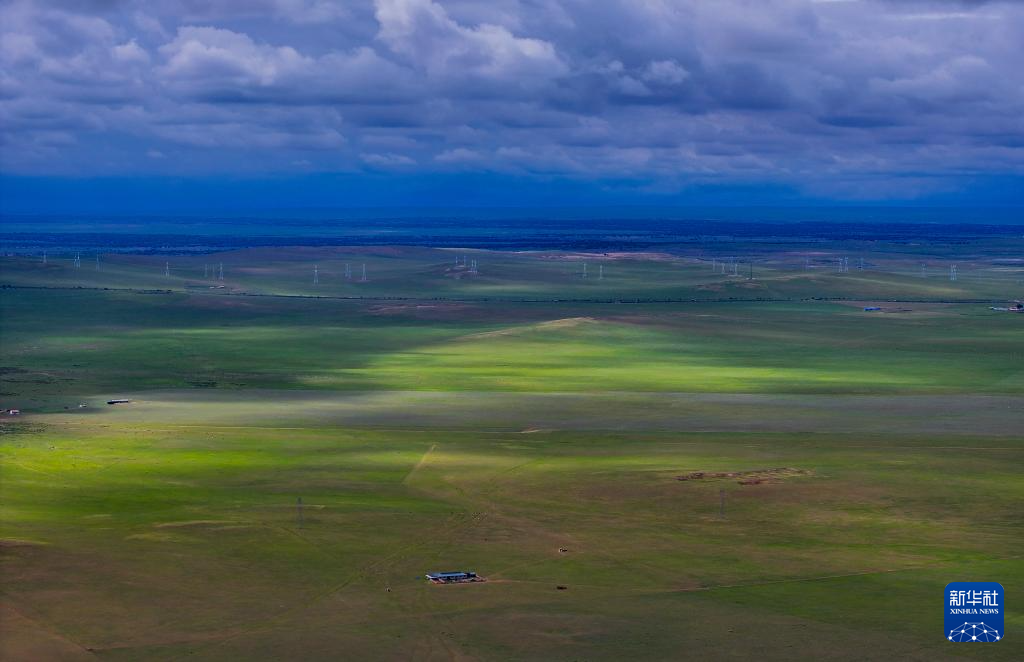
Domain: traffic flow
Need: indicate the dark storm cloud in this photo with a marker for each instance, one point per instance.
(839, 93)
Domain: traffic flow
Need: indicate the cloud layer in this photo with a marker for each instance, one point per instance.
(850, 99)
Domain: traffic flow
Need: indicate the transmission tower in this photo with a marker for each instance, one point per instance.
(316, 274)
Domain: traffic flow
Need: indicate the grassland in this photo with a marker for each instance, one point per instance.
(437, 420)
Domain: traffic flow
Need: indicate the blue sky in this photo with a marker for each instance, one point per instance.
(183, 103)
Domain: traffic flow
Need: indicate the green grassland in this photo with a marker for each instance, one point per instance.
(81, 342)
(435, 420)
(775, 272)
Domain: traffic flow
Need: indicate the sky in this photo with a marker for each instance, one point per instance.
(122, 104)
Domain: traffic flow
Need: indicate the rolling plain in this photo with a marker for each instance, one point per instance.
(294, 457)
